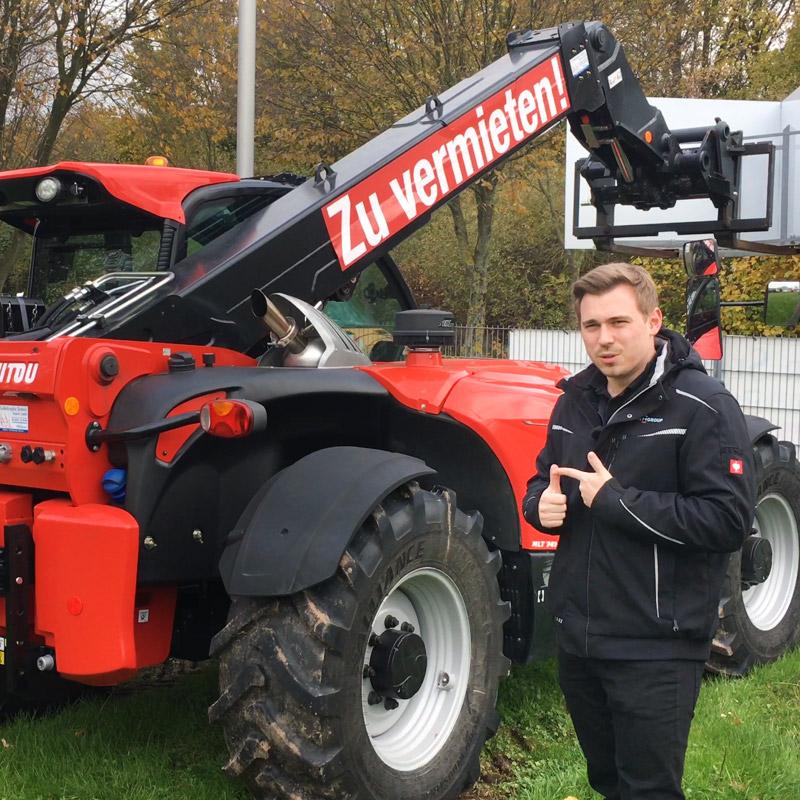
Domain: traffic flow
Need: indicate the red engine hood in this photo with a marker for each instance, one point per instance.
(507, 403)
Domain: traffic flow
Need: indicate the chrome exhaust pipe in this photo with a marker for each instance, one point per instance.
(284, 329)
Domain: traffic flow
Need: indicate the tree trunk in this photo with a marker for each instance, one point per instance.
(575, 263)
(475, 261)
(460, 228)
(485, 193)
(58, 113)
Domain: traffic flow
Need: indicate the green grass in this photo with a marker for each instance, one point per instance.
(155, 743)
(143, 744)
(781, 308)
(744, 744)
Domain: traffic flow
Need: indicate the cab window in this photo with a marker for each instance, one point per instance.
(366, 310)
(62, 260)
(216, 217)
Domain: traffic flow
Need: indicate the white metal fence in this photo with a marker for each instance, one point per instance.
(762, 373)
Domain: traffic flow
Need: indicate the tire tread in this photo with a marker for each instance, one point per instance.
(275, 706)
(731, 652)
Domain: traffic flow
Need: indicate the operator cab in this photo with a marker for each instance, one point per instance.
(104, 239)
(366, 308)
(81, 230)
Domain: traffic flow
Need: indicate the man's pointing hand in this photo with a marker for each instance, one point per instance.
(590, 482)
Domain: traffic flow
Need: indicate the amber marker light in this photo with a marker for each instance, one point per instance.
(72, 406)
(648, 136)
(157, 161)
(232, 419)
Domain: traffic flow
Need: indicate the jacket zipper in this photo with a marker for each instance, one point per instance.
(655, 566)
(588, 574)
(655, 569)
(657, 375)
(611, 456)
(615, 440)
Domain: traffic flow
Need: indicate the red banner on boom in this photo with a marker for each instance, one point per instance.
(384, 203)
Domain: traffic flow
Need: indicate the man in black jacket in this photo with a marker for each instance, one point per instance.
(649, 478)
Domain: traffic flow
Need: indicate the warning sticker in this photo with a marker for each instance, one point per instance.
(14, 418)
(579, 63)
(2, 651)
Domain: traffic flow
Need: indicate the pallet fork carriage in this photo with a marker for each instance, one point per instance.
(195, 455)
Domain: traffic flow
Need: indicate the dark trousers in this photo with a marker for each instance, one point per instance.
(632, 719)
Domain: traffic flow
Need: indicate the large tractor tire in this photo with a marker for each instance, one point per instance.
(380, 683)
(760, 605)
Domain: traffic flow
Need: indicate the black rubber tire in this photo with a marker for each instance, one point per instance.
(291, 683)
(740, 644)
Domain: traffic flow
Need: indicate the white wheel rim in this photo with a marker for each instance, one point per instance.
(767, 603)
(409, 736)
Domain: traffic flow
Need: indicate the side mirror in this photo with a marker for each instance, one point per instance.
(703, 324)
(782, 303)
(701, 258)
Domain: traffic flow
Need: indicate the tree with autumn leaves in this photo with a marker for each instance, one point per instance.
(350, 67)
(332, 73)
(55, 55)
(160, 76)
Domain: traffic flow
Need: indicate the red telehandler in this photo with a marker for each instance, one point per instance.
(195, 457)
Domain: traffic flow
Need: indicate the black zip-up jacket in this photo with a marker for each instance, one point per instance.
(639, 574)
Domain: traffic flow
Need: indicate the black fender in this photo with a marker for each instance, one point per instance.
(294, 531)
(758, 427)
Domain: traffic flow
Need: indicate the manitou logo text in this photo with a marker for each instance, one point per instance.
(383, 204)
(17, 372)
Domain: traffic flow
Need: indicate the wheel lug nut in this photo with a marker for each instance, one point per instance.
(374, 698)
(407, 627)
(390, 704)
(373, 639)
(391, 622)
(369, 672)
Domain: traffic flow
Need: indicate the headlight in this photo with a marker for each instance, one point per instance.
(48, 189)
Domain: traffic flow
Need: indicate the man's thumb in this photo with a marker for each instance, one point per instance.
(555, 479)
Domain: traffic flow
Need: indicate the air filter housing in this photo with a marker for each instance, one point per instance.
(424, 327)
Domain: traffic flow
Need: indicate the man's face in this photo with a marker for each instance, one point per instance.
(617, 335)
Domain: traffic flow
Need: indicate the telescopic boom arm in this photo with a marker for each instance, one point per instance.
(359, 208)
(316, 238)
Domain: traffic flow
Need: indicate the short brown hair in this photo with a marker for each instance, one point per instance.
(604, 278)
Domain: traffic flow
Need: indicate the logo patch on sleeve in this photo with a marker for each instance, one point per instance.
(737, 467)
